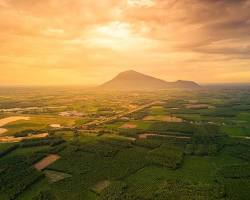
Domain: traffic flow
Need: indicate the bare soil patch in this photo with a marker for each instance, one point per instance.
(9, 139)
(100, 186)
(55, 176)
(171, 119)
(149, 118)
(55, 125)
(128, 126)
(41, 135)
(42, 164)
(12, 139)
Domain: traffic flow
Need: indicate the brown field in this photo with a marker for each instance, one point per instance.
(55, 176)
(128, 126)
(42, 164)
(149, 118)
(18, 139)
(55, 125)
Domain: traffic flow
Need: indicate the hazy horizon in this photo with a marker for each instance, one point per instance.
(76, 42)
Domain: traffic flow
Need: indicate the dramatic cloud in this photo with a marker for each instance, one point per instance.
(86, 42)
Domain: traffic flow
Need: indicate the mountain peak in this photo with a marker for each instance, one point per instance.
(129, 73)
(133, 80)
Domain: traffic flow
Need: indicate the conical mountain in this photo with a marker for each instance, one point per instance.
(132, 80)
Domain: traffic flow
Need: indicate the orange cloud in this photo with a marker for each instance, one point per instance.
(82, 42)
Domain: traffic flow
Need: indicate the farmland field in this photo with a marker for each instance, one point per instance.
(141, 146)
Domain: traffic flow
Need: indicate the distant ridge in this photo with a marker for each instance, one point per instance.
(132, 80)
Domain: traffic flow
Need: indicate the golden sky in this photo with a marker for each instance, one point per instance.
(63, 42)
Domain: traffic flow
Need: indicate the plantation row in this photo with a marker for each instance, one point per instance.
(7, 148)
(17, 168)
(235, 171)
(170, 189)
(16, 171)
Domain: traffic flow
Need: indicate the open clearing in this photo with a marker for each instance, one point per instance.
(55, 176)
(3, 130)
(18, 139)
(165, 118)
(146, 135)
(42, 164)
(100, 186)
(129, 126)
(8, 120)
(55, 125)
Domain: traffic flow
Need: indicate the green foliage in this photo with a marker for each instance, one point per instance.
(236, 189)
(240, 151)
(168, 156)
(25, 133)
(130, 132)
(116, 191)
(235, 171)
(106, 148)
(45, 195)
(148, 143)
(215, 165)
(138, 115)
(17, 175)
(174, 103)
(165, 127)
(189, 150)
(7, 148)
(172, 190)
(206, 141)
(201, 149)
(52, 141)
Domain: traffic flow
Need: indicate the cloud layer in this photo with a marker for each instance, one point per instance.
(82, 42)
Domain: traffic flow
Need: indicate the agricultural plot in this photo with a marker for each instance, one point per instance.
(180, 146)
(55, 176)
(45, 162)
(164, 118)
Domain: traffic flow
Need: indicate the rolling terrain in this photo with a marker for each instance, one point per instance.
(147, 145)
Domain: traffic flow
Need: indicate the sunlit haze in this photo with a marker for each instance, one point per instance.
(86, 42)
